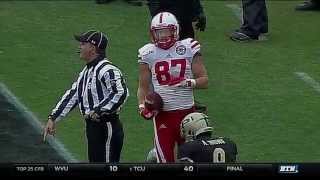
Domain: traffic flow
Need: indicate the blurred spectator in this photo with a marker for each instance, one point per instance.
(255, 21)
(186, 11)
(309, 5)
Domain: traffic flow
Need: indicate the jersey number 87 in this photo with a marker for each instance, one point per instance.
(162, 70)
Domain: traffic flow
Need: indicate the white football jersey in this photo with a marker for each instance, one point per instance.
(169, 65)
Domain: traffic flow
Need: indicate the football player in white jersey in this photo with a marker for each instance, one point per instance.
(173, 68)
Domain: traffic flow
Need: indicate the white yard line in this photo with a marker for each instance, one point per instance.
(33, 120)
(308, 80)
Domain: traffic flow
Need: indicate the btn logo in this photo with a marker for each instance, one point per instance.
(288, 169)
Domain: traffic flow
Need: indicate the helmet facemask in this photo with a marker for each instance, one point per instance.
(164, 30)
(193, 125)
(186, 133)
(164, 37)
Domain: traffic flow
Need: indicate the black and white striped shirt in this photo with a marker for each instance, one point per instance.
(100, 87)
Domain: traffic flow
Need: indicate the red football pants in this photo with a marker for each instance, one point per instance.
(167, 133)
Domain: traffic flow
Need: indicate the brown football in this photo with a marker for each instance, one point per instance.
(153, 102)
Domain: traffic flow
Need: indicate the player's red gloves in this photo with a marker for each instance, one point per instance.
(145, 113)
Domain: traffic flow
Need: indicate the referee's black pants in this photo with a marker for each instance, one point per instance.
(255, 17)
(105, 139)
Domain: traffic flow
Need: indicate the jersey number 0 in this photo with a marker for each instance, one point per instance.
(219, 156)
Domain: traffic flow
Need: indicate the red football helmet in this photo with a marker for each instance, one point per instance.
(164, 30)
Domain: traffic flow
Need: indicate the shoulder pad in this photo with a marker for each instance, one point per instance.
(146, 49)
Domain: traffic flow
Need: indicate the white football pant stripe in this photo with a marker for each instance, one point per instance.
(109, 129)
(160, 156)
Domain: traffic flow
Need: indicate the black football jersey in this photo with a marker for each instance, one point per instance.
(215, 150)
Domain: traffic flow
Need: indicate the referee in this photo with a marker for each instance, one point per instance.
(99, 91)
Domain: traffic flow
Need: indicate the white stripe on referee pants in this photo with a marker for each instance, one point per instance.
(109, 129)
(159, 152)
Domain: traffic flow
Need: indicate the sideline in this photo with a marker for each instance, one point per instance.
(35, 123)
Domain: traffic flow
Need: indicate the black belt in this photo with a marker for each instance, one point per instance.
(104, 117)
(109, 116)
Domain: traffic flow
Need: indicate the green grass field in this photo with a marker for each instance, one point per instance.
(254, 96)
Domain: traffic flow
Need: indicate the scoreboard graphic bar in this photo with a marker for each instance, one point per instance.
(145, 169)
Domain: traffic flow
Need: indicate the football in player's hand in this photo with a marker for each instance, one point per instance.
(153, 102)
